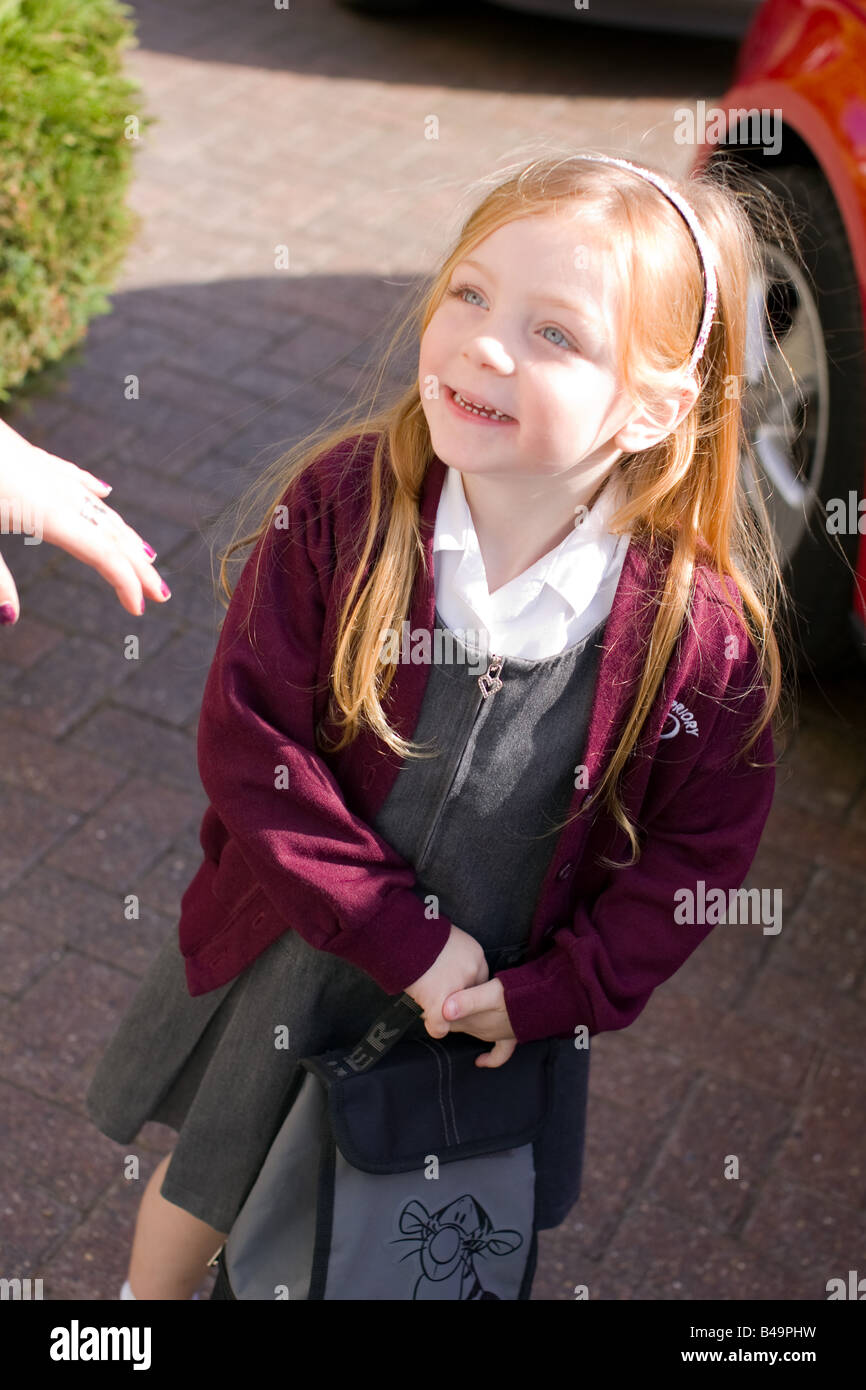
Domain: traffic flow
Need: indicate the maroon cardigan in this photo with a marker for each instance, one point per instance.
(287, 841)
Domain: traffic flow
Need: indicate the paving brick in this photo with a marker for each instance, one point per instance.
(103, 393)
(136, 741)
(823, 937)
(29, 825)
(750, 1049)
(811, 1232)
(27, 562)
(26, 642)
(657, 1254)
(51, 1145)
(169, 686)
(55, 905)
(34, 1221)
(192, 574)
(164, 885)
(810, 1008)
(722, 1122)
(66, 684)
(56, 772)
(84, 438)
(23, 958)
(121, 839)
(618, 1074)
(827, 1146)
(221, 477)
(828, 843)
(93, 610)
(49, 1033)
(829, 765)
(54, 909)
(621, 1147)
(133, 347)
(161, 510)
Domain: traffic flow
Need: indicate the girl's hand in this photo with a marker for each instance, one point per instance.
(52, 499)
(460, 963)
(481, 1011)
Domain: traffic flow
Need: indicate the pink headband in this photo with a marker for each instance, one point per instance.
(702, 242)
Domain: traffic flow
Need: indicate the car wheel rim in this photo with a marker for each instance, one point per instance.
(785, 398)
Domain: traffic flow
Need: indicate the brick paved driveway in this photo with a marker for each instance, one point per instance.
(306, 127)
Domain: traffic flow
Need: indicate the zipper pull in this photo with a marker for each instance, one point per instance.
(490, 681)
(215, 1256)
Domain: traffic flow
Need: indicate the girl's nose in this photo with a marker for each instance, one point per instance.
(492, 352)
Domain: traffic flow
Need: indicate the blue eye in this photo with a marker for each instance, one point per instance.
(551, 328)
(460, 290)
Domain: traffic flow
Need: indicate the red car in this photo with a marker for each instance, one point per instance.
(795, 120)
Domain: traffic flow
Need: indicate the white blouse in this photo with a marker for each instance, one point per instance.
(552, 605)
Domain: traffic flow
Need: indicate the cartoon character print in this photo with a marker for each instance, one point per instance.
(448, 1241)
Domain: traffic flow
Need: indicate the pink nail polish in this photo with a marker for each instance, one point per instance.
(103, 483)
(149, 551)
(166, 591)
(141, 609)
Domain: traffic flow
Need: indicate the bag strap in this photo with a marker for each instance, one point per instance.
(395, 1019)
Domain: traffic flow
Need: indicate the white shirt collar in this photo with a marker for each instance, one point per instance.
(575, 568)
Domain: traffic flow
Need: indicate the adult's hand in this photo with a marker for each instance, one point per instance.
(46, 498)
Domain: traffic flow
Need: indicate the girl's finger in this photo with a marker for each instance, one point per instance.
(473, 1000)
(436, 1031)
(498, 1055)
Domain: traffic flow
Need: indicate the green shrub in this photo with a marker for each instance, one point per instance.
(65, 163)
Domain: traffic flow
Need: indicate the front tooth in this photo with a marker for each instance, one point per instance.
(467, 405)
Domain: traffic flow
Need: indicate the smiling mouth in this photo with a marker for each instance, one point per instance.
(484, 412)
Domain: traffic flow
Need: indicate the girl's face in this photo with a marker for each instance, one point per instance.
(527, 327)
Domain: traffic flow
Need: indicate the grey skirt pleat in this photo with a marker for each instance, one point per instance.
(215, 1068)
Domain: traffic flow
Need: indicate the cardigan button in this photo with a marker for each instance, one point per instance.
(566, 869)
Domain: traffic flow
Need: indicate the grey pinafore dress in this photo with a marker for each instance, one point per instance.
(474, 821)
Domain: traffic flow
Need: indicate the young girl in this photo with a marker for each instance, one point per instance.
(558, 495)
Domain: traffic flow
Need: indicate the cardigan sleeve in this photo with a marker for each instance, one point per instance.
(601, 968)
(326, 873)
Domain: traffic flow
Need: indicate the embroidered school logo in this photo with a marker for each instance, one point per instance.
(679, 718)
(448, 1241)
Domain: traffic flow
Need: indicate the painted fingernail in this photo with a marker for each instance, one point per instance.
(7, 613)
(149, 550)
(103, 483)
(141, 609)
(166, 591)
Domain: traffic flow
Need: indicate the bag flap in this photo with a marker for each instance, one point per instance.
(426, 1097)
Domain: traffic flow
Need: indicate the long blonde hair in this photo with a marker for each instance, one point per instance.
(685, 492)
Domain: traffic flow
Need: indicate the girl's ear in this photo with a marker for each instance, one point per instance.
(645, 429)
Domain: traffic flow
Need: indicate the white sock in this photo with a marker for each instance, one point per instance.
(126, 1292)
